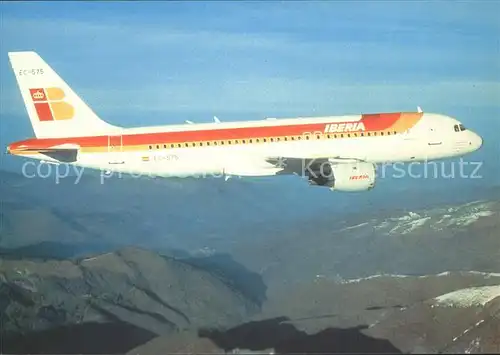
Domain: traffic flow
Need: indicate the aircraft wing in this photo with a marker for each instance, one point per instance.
(299, 166)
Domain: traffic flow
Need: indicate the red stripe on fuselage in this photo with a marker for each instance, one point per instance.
(372, 122)
(222, 134)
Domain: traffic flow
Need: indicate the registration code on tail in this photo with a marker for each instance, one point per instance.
(31, 72)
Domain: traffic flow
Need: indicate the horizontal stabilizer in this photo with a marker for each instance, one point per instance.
(62, 153)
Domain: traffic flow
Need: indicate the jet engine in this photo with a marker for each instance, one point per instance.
(342, 176)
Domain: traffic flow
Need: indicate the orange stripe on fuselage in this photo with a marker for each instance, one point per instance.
(407, 121)
(395, 122)
(380, 121)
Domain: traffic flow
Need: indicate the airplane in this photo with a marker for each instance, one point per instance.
(338, 152)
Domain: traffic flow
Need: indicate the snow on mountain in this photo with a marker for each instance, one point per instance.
(485, 275)
(469, 297)
(434, 219)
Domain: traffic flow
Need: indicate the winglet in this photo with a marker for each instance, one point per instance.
(419, 110)
(190, 122)
(216, 120)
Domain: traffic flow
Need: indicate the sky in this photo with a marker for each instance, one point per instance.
(150, 63)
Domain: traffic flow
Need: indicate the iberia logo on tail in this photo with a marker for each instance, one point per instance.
(50, 104)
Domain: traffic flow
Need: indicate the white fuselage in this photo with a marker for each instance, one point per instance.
(432, 137)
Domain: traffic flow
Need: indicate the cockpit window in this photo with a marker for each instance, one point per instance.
(459, 128)
(462, 128)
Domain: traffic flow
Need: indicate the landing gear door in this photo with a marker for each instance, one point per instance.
(115, 149)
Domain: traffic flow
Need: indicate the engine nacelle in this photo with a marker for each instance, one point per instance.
(344, 176)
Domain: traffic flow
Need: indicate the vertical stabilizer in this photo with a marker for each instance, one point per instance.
(54, 109)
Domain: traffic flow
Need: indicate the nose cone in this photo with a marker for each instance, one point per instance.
(475, 141)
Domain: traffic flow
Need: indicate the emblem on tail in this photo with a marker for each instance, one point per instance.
(50, 106)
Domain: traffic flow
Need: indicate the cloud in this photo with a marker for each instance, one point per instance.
(333, 46)
(267, 59)
(303, 96)
(276, 96)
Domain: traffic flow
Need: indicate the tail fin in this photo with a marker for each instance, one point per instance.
(54, 109)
